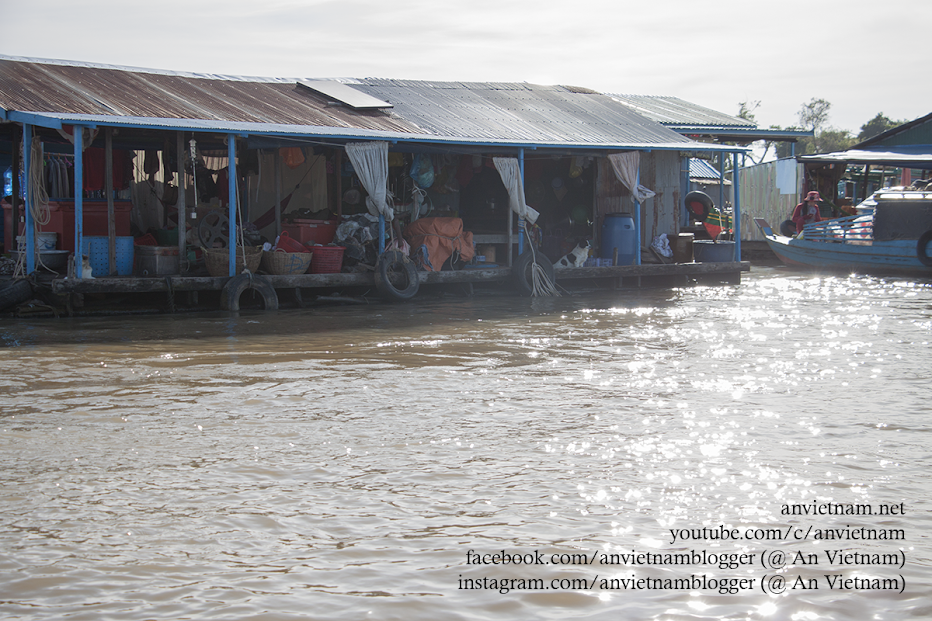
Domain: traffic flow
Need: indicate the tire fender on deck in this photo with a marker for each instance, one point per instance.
(239, 284)
(14, 292)
(523, 272)
(921, 246)
(396, 276)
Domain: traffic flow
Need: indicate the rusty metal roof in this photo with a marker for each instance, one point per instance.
(106, 91)
(442, 112)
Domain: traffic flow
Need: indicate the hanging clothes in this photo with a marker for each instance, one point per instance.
(94, 170)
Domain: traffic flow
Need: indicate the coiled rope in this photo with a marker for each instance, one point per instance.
(541, 285)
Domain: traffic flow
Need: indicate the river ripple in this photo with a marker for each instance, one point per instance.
(340, 463)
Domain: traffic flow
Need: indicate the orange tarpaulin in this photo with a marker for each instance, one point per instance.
(433, 241)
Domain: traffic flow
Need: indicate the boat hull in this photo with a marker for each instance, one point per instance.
(869, 257)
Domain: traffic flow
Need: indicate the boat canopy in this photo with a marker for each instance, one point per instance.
(897, 217)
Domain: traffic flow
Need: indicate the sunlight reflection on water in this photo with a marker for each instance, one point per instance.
(335, 463)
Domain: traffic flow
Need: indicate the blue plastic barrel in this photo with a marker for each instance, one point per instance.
(618, 232)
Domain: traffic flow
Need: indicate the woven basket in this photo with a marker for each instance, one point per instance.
(218, 260)
(327, 259)
(286, 263)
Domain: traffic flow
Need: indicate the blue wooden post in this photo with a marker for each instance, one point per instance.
(637, 219)
(381, 233)
(521, 222)
(721, 181)
(231, 170)
(78, 200)
(737, 215)
(30, 225)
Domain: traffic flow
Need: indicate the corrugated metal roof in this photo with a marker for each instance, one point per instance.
(518, 112)
(915, 132)
(913, 159)
(701, 169)
(103, 91)
(443, 112)
(674, 112)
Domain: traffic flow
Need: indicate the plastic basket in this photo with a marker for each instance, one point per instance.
(327, 259)
(288, 244)
(218, 260)
(286, 263)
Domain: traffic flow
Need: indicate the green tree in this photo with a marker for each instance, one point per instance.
(830, 140)
(814, 115)
(826, 139)
(877, 125)
(746, 110)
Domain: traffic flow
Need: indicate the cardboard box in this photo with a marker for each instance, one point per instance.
(486, 250)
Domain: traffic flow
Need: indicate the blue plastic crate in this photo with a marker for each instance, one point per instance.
(97, 250)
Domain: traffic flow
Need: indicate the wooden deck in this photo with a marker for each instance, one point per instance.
(135, 284)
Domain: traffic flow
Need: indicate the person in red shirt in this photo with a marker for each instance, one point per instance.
(807, 211)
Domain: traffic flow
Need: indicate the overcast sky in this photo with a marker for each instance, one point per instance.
(863, 57)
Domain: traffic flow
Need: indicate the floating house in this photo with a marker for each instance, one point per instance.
(855, 173)
(147, 172)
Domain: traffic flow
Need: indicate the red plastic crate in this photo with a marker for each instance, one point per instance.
(311, 231)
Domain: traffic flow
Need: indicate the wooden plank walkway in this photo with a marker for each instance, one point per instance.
(135, 284)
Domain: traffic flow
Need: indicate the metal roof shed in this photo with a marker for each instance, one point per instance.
(428, 115)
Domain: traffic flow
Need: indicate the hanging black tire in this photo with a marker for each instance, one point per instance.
(396, 276)
(234, 289)
(522, 271)
(698, 204)
(14, 293)
(921, 245)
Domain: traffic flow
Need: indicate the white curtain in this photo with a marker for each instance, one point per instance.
(511, 176)
(370, 160)
(626, 169)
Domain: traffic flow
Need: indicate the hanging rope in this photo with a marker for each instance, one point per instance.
(41, 214)
(39, 207)
(238, 234)
(541, 284)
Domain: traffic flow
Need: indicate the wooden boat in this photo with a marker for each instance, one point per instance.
(895, 237)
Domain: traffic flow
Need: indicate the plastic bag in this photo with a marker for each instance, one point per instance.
(292, 156)
(422, 171)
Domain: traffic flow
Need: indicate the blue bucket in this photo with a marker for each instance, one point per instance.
(618, 232)
(97, 249)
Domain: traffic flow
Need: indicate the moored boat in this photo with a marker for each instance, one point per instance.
(895, 237)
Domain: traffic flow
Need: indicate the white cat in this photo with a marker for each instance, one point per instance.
(86, 270)
(576, 258)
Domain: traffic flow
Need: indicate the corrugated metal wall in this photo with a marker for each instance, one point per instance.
(761, 198)
(660, 172)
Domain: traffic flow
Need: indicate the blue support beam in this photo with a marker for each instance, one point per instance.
(637, 219)
(231, 170)
(721, 181)
(381, 233)
(78, 200)
(29, 231)
(737, 215)
(521, 222)
(38, 120)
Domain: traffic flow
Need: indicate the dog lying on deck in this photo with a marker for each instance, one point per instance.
(576, 258)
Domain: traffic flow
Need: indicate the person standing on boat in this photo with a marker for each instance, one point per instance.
(807, 211)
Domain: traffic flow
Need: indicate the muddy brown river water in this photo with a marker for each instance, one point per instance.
(759, 451)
